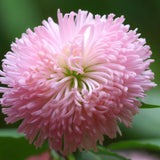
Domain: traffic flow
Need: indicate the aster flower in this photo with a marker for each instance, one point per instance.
(71, 82)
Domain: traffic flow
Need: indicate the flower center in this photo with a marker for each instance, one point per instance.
(76, 77)
(82, 73)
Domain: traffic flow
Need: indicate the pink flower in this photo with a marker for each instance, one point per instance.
(43, 156)
(70, 82)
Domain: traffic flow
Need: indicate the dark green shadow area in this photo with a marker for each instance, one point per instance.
(14, 146)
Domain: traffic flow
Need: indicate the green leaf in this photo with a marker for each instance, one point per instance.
(153, 144)
(145, 126)
(14, 146)
(102, 154)
(10, 133)
(71, 157)
(56, 156)
(144, 106)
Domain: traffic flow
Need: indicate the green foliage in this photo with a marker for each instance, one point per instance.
(153, 144)
(147, 106)
(145, 125)
(102, 154)
(56, 156)
(144, 134)
(14, 146)
(10, 133)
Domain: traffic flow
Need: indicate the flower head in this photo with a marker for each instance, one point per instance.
(70, 82)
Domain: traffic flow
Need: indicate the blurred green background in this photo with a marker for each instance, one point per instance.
(18, 15)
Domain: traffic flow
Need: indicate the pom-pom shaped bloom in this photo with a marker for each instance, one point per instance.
(70, 82)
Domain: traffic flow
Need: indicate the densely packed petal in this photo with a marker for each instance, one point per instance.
(71, 82)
